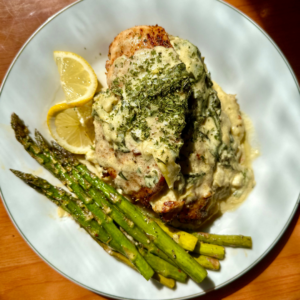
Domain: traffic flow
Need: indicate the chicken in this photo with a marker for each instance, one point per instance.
(161, 133)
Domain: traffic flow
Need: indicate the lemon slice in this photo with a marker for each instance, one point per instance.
(71, 122)
(72, 127)
(78, 79)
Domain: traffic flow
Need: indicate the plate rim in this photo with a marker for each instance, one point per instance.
(292, 215)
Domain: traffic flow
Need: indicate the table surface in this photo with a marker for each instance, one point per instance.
(23, 275)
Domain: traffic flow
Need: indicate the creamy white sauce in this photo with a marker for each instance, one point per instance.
(241, 181)
(250, 153)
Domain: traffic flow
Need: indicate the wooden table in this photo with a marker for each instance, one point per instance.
(23, 275)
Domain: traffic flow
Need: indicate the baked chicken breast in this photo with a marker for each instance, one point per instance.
(168, 136)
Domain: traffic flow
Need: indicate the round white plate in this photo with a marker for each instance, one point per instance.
(240, 57)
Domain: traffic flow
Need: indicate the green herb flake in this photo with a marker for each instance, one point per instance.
(122, 176)
(159, 160)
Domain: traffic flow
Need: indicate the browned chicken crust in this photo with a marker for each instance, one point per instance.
(135, 38)
(145, 194)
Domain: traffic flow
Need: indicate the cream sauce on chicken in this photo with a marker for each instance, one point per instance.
(194, 135)
(143, 122)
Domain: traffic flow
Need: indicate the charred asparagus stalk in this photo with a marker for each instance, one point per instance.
(80, 214)
(162, 267)
(159, 265)
(129, 250)
(71, 205)
(183, 260)
(224, 240)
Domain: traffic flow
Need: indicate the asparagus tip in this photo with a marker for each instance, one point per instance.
(63, 153)
(19, 127)
(40, 140)
(15, 172)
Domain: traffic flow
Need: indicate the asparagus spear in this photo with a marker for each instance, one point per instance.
(214, 251)
(80, 214)
(158, 236)
(71, 205)
(135, 232)
(162, 267)
(129, 250)
(224, 240)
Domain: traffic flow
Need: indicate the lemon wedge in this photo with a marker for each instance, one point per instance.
(78, 79)
(71, 123)
(72, 127)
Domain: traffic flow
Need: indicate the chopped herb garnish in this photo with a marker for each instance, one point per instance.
(159, 160)
(122, 176)
(193, 177)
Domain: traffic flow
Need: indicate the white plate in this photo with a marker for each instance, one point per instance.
(241, 58)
